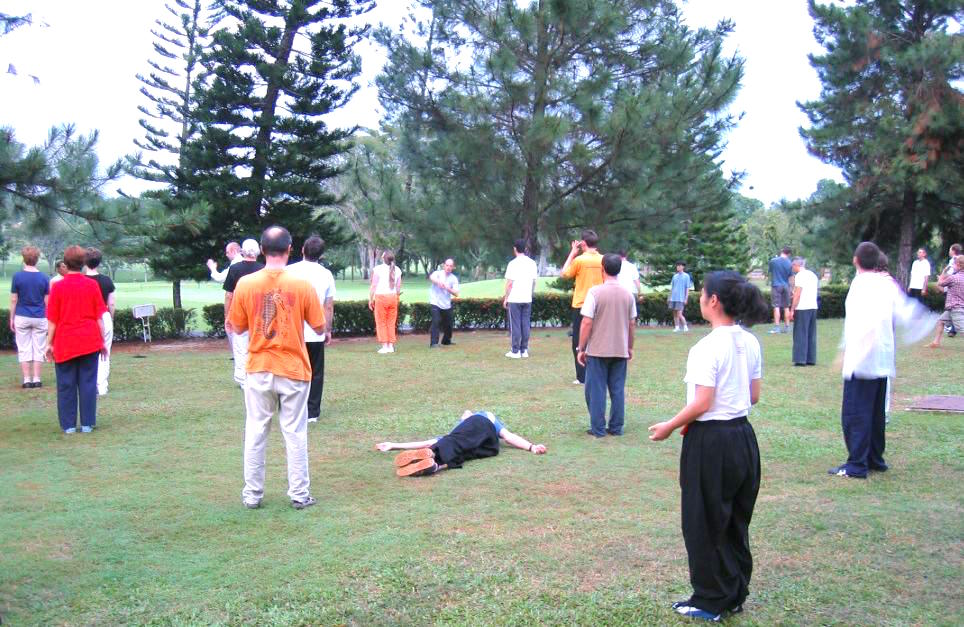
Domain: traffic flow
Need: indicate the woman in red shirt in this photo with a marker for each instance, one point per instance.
(75, 336)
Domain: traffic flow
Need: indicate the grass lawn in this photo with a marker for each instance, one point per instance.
(141, 521)
(414, 290)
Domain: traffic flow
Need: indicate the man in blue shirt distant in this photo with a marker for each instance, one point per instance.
(780, 271)
(445, 285)
(679, 293)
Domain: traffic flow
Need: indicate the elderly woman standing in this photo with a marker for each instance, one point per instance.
(28, 322)
(74, 339)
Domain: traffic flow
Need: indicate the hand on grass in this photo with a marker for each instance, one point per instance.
(384, 446)
(539, 449)
(660, 431)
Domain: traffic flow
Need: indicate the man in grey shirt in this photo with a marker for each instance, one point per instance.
(445, 285)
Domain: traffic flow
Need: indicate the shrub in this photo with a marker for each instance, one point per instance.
(214, 319)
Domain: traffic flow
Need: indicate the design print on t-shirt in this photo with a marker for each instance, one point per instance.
(275, 314)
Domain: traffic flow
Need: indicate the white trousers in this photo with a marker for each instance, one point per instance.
(239, 346)
(103, 365)
(265, 393)
(31, 336)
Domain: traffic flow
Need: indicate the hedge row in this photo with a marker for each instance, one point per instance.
(354, 317)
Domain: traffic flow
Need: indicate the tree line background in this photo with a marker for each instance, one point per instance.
(501, 121)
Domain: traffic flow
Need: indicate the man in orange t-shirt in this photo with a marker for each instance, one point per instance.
(584, 264)
(273, 306)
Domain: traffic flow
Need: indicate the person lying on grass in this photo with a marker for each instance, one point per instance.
(476, 436)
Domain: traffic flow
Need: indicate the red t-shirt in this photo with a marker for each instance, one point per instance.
(75, 306)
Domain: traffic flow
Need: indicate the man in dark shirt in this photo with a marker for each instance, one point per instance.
(92, 261)
(780, 272)
(250, 249)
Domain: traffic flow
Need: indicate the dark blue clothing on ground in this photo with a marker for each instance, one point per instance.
(780, 271)
(30, 288)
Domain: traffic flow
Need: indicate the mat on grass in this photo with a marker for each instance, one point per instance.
(938, 403)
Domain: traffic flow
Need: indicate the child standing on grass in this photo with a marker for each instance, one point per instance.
(720, 459)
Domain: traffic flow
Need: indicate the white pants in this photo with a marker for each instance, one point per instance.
(103, 365)
(265, 393)
(239, 346)
(31, 335)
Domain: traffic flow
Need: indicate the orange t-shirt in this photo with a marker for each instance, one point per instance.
(273, 307)
(587, 270)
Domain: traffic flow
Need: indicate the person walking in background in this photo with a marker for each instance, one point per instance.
(954, 251)
(679, 295)
(445, 285)
(92, 261)
(75, 338)
(606, 338)
(273, 305)
(249, 264)
(520, 284)
(629, 275)
(920, 273)
(720, 459)
(60, 271)
(584, 264)
(953, 300)
(803, 313)
(320, 278)
(780, 273)
(383, 295)
(29, 291)
(233, 252)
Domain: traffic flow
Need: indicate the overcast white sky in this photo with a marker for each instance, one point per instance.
(86, 55)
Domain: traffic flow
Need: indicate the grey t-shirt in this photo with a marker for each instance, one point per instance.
(436, 295)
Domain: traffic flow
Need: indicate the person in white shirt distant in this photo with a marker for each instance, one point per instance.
(520, 284)
(383, 298)
(629, 275)
(320, 278)
(803, 313)
(233, 252)
(920, 272)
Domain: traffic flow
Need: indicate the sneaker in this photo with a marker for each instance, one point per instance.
(681, 608)
(841, 471)
(407, 457)
(391, 349)
(593, 434)
(676, 329)
(313, 418)
(686, 329)
(577, 382)
(418, 468)
(70, 430)
(38, 384)
(775, 330)
(86, 429)
(26, 385)
(525, 354)
(308, 502)
(252, 504)
(512, 355)
(382, 350)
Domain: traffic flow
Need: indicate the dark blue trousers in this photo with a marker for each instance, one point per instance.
(862, 417)
(441, 320)
(805, 337)
(520, 315)
(77, 378)
(602, 374)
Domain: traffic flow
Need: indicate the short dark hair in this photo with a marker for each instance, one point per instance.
(786, 251)
(520, 245)
(93, 257)
(868, 255)
(275, 240)
(74, 258)
(612, 263)
(589, 236)
(313, 247)
(621, 252)
(681, 263)
(883, 263)
(956, 249)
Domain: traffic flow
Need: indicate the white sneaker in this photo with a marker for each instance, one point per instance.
(525, 354)
(512, 355)
(577, 382)
(675, 329)
(391, 349)
(383, 350)
(686, 329)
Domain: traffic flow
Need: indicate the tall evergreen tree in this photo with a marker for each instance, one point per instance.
(890, 117)
(264, 151)
(567, 113)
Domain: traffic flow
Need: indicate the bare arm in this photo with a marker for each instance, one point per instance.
(567, 272)
(521, 443)
(228, 297)
(51, 332)
(329, 315)
(508, 288)
(585, 328)
(702, 402)
(103, 333)
(394, 446)
(755, 391)
(632, 335)
(13, 307)
(371, 292)
(111, 302)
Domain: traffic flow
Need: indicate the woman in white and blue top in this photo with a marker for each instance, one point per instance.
(720, 459)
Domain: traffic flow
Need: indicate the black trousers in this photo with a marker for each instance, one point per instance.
(576, 323)
(862, 417)
(316, 356)
(720, 479)
(441, 319)
(805, 336)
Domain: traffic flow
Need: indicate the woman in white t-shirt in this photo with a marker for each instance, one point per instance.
(720, 459)
(383, 300)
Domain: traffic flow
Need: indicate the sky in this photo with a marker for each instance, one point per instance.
(85, 57)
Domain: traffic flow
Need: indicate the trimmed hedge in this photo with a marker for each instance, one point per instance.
(169, 323)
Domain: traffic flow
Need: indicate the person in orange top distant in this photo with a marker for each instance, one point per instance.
(273, 306)
(584, 264)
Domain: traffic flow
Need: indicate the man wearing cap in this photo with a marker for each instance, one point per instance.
(239, 341)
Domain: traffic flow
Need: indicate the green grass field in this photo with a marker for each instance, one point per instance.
(141, 521)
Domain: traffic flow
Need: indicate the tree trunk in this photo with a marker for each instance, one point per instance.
(176, 290)
(908, 215)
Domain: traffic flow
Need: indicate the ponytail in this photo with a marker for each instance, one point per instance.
(741, 300)
(389, 258)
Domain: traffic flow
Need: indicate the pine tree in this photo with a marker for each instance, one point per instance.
(890, 117)
(264, 153)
